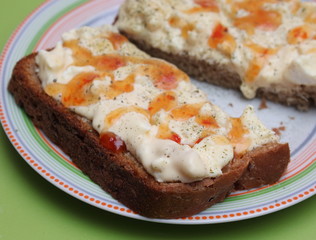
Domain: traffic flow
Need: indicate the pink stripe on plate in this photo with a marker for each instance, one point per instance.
(71, 20)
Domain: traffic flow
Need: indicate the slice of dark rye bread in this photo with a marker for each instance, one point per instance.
(301, 96)
(120, 174)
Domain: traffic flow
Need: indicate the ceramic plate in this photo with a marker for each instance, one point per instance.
(43, 28)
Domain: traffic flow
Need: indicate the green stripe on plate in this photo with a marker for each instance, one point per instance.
(49, 23)
(44, 146)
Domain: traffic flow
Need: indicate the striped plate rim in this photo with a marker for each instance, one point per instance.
(42, 29)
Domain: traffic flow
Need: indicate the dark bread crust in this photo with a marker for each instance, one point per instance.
(301, 96)
(262, 169)
(122, 175)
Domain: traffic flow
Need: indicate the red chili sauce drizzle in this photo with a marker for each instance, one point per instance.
(165, 77)
(112, 142)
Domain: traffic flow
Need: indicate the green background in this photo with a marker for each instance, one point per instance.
(32, 208)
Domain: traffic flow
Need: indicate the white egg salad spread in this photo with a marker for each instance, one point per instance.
(146, 106)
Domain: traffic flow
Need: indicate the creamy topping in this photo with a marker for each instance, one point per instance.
(302, 70)
(265, 42)
(146, 106)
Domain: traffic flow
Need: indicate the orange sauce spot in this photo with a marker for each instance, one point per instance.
(119, 87)
(200, 9)
(165, 101)
(219, 33)
(237, 136)
(205, 133)
(263, 19)
(207, 5)
(116, 39)
(186, 111)
(109, 62)
(298, 34)
(164, 76)
(175, 137)
(262, 51)
(112, 142)
(182, 25)
(75, 92)
(199, 140)
(84, 57)
(206, 121)
(253, 70)
(258, 17)
(119, 112)
(176, 22)
(166, 80)
(54, 89)
(164, 132)
(221, 39)
(221, 140)
(261, 55)
(187, 28)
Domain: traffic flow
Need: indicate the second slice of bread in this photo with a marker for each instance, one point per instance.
(301, 96)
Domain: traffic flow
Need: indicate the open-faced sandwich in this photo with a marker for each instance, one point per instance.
(138, 127)
(264, 48)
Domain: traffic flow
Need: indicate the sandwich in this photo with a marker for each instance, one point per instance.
(265, 49)
(139, 128)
